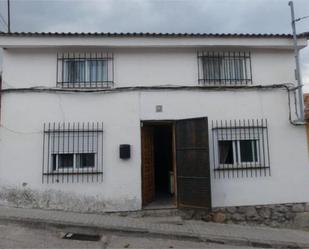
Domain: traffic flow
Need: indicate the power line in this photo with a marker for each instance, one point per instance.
(3, 27)
(301, 18)
(3, 20)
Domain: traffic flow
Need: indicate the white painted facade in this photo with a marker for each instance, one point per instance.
(31, 62)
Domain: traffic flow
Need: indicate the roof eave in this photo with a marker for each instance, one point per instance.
(35, 40)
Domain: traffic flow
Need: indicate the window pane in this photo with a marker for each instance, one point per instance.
(74, 71)
(212, 67)
(65, 160)
(54, 161)
(238, 68)
(248, 150)
(97, 70)
(85, 160)
(226, 152)
(223, 68)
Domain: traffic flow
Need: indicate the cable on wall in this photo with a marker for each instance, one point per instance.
(289, 87)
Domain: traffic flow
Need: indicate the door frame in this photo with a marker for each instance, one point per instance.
(173, 126)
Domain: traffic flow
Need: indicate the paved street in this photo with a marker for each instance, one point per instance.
(170, 227)
(16, 236)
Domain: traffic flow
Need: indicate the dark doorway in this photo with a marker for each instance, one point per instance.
(170, 145)
(159, 169)
(163, 162)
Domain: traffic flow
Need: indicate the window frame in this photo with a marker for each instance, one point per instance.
(237, 131)
(237, 160)
(82, 76)
(74, 167)
(224, 67)
(77, 138)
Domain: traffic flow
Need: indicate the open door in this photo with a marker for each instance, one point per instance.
(148, 177)
(192, 163)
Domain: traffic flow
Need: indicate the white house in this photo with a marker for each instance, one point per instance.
(124, 121)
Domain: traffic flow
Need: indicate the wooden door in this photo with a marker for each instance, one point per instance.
(148, 176)
(192, 163)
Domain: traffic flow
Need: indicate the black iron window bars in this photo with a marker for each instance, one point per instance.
(85, 70)
(240, 148)
(72, 152)
(224, 68)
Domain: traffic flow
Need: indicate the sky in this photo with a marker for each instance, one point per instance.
(191, 16)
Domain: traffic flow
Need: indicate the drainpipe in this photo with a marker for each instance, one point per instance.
(301, 117)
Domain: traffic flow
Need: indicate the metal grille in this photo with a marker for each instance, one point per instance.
(72, 152)
(224, 68)
(85, 70)
(240, 148)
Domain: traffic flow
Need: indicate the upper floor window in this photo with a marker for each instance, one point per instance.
(224, 68)
(85, 70)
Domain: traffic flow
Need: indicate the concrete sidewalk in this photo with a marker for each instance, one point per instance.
(191, 229)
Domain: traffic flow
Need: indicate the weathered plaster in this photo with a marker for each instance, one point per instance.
(60, 200)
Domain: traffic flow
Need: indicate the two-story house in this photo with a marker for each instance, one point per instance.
(122, 121)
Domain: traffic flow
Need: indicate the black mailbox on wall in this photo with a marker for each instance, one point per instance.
(125, 151)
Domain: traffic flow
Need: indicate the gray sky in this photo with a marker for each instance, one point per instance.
(218, 16)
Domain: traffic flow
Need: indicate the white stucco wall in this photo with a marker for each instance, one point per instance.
(21, 146)
(288, 146)
(141, 66)
(23, 115)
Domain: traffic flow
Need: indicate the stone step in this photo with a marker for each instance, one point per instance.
(170, 212)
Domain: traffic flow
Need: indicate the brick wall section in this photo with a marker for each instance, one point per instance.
(306, 99)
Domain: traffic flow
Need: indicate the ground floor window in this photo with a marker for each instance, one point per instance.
(72, 152)
(240, 148)
(73, 161)
(238, 151)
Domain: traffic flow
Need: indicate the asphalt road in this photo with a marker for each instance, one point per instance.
(16, 236)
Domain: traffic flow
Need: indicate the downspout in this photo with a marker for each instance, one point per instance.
(0, 94)
(301, 116)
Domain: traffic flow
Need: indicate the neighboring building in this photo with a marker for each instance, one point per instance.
(306, 100)
(105, 122)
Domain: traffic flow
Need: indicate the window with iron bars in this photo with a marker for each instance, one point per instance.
(240, 148)
(224, 68)
(85, 70)
(72, 152)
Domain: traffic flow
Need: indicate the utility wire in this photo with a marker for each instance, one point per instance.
(3, 20)
(3, 24)
(20, 132)
(300, 18)
(287, 86)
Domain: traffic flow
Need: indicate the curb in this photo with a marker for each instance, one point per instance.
(215, 239)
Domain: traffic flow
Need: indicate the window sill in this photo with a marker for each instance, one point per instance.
(242, 168)
(86, 85)
(74, 173)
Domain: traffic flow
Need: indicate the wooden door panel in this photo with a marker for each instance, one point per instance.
(192, 163)
(198, 156)
(148, 178)
(194, 192)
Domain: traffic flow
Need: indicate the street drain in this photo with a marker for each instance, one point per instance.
(79, 236)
